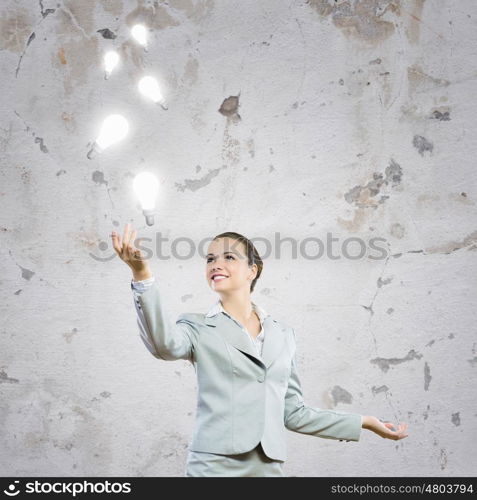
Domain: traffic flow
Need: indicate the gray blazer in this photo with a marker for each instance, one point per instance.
(243, 399)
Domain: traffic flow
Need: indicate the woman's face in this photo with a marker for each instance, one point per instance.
(227, 260)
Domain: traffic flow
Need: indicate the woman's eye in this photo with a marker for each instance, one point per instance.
(231, 256)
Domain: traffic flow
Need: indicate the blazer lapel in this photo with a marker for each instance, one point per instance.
(233, 334)
(274, 340)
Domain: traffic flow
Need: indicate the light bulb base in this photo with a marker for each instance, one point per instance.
(149, 215)
(94, 151)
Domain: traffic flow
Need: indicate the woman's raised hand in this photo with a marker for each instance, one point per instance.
(131, 255)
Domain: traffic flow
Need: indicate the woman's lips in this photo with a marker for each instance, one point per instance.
(219, 278)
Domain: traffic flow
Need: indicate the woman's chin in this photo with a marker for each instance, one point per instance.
(220, 287)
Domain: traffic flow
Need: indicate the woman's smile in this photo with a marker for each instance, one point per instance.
(219, 277)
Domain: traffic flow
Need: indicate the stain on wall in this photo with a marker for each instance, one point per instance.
(386, 363)
(364, 20)
(15, 29)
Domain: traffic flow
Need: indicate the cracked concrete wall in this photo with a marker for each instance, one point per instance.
(303, 118)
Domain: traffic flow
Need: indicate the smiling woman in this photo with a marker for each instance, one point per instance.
(232, 262)
(249, 391)
(234, 277)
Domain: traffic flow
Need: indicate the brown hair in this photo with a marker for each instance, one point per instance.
(253, 257)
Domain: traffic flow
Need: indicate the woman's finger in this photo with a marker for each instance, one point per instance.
(125, 240)
(132, 248)
(115, 240)
(126, 233)
(401, 431)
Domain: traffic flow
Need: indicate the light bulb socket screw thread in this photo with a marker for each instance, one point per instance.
(94, 151)
(149, 215)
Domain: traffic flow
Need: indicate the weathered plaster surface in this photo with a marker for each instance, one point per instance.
(351, 117)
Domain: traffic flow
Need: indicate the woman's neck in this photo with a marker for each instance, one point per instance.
(239, 306)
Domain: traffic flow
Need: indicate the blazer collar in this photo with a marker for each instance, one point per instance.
(218, 308)
(231, 332)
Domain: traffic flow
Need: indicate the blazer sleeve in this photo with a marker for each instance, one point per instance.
(328, 424)
(163, 339)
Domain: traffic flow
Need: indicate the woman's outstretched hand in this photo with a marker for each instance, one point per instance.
(386, 430)
(131, 255)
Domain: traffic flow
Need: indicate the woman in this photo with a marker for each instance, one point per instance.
(249, 392)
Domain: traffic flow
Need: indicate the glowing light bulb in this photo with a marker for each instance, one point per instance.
(111, 60)
(138, 31)
(146, 187)
(149, 87)
(114, 129)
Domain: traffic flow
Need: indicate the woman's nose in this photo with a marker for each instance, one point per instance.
(217, 263)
